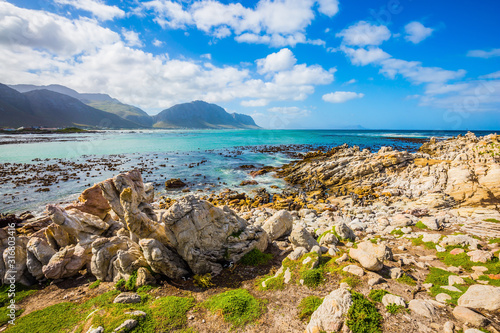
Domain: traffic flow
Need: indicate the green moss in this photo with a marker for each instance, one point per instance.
(419, 242)
(491, 282)
(406, 279)
(169, 313)
(353, 281)
(256, 258)
(95, 284)
(130, 285)
(272, 283)
(363, 316)
(463, 260)
(393, 308)
(494, 241)
(144, 289)
(492, 220)
(307, 307)
(397, 232)
(21, 293)
(120, 285)
(312, 277)
(438, 277)
(203, 281)
(237, 306)
(421, 225)
(56, 318)
(377, 294)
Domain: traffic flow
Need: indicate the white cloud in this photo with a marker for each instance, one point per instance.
(275, 62)
(21, 27)
(416, 73)
(255, 103)
(363, 57)
(495, 75)
(484, 54)
(275, 22)
(132, 38)
(417, 32)
(341, 96)
(351, 81)
(364, 33)
(157, 42)
(43, 48)
(96, 7)
(290, 112)
(206, 56)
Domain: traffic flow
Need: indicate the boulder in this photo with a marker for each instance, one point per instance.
(126, 326)
(83, 227)
(381, 251)
(369, 260)
(115, 258)
(38, 255)
(18, 272)
(278, 225)
(400, 220)
(174, 183)
(480, 256)
(393, 299)
(330, 315)
(481, 297)
(67, 262)
(300, 237)
(144, 277)
(459, 240)
(163, 260)
(422, 308)
(431, 222)
(328, 239)
(297, 253)
(127, 298)
(468, 316)
(354, 269)
(92, 201)
(344, 231)
(208, 237)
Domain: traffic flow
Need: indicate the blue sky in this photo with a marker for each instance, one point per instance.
(389, 64)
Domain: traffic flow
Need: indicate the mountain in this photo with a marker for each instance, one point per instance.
(201, 115)
(52, 109)
(102, 102)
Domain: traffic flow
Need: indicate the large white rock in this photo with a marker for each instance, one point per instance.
(423, 308)
(481, 297)
(468, 316)
(393, 299)
(330, 315)
(278, 225)
(300, 237)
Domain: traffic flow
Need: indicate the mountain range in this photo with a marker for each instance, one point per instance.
(59, 106)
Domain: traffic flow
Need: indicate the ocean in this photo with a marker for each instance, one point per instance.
(37, 169)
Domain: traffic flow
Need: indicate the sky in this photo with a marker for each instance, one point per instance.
(325, 64)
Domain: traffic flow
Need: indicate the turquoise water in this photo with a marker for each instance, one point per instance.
(166, 154)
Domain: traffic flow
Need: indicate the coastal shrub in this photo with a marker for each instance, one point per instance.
(130, 284)
(169, 313)
(377, 294)
(421, 225)
(428, 245)
(393, 308)
(237, 306)
(307, 307)
(463, 260)
(95, 284)
(272, 282)
(203, 281)
(353, 281)
(312, 277)
(120, 285)
(363, 316)
(397, 232)
(406, 279)
(256, 258)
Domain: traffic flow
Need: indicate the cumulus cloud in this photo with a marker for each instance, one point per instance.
(43, 48)
(363, 57)
(274, 22)
(132, 38)
(96, 7)
(275, 62)
(484, 54)
(341, 96)
(417, 32)
(157, 42)
(363, 33)
(495, 75)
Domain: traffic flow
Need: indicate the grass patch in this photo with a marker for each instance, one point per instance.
(307, 307)
(144, 289)
(421, 225)
(419, 242)
(237, 306)
(406, 279)
(56, 318)
(492, 220)
(377, 294)
(491, 282)
(397, 233)
(256, 258)
(393, 308)
(130, 285)
(363, 316)
(95, 284)
(203, 281)
(272, 282)
(463, 260)
(169, 312)
(353, 281)
(21, 293)
(494, 241)
(313, 277)
(438, 276)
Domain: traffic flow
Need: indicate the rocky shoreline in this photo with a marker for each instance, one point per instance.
(387, 241)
